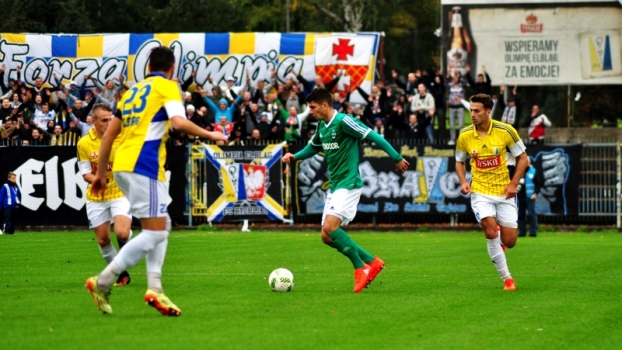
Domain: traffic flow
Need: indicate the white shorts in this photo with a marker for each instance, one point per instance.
(100, 213)
(148, 197)
(343, 204)
(504, 210)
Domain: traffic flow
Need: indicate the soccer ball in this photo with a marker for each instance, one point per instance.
(281, 280)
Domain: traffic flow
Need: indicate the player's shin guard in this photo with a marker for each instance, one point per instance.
(108, 252)
(498, 257)
(130, 255)
(155, 260)
(346, 246)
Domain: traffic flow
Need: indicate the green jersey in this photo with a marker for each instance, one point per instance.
(339, 139)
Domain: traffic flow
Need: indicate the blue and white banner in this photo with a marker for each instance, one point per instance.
(249, 185)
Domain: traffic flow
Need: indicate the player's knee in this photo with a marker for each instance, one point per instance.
(103, 241)
(326, 231)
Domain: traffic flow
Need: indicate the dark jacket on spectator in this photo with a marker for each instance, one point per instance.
(309, 86)
(480, 88)
(417, 131)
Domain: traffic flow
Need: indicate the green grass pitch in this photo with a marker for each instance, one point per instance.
(439, 291)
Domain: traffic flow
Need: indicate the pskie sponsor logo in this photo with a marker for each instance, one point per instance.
(532, 25)
(488, 162)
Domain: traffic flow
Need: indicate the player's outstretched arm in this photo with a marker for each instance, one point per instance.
(386, 146)
(183, 125)
(287, 158)
(309, 151)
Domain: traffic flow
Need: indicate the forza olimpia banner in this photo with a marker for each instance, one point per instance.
(431, 185)
(54, 192)
(249, 183)
(534, 42)
(215, 55)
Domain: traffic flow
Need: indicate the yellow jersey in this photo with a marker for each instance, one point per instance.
(88, 154)
(488, 155)
(145, 110)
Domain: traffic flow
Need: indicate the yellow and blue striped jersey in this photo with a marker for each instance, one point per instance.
(488, 155)
(145, 111)
(88, 160)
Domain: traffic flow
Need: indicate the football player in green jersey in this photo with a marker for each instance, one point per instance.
(338, 136)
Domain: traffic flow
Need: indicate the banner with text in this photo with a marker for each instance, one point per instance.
(547, 44)
(432, 185)
(212, 55)
(54, 192)
(249, 185)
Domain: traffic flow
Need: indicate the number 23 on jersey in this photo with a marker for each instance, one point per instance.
(135, 105)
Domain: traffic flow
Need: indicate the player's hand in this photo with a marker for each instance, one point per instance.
(533, 197)
(402, 165)
(287, 158)
(465, 188)
(510, 191)
(98, 186)
(218, 137)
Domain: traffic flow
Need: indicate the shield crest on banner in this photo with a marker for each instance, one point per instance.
(348, 56)
(255, 181)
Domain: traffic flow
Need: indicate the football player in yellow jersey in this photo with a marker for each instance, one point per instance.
(145, 115)
(493, 192)
(114, 206)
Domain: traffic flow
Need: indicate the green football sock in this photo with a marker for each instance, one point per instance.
(365, 256)
(346, 246)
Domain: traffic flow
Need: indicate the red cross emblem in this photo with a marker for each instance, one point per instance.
(95, 155)
(343, 49)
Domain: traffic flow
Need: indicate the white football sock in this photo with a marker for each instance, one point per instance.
(155, 260)
(108, 252)
(498, 257)
(133, 252)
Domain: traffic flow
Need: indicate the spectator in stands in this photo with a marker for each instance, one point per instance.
(437, 89)
(456, 86)
(410, 87)
(80, 110)
(223, 108)
(319, 82)
(38, 89)
(379, 126)
(5, 110)
(44, 116)
(531, 183)
(398, 120)
(266, 129)
(376, 102)
(224, 126)
(483, 83)
(292, 100)
(416, 129)
(536, 124)
(39, 137)
(13, 84)
(84, 127)
(255, 137)
(10, 201)
(423, 106)
(8, 131)
(50, 127)
(16, 101)
(511, 111)
(57, 137)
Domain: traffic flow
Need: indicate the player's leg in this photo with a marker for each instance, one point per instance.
(486, 212)
(120, 210)
(339, 210)
(99, 217)
(507, 217)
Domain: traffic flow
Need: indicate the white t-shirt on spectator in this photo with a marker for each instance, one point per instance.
(42, 119)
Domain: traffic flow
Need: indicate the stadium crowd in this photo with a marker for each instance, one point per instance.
(414, 107)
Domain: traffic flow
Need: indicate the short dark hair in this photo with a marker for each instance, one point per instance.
(161, 59)
(484, 99)
(320, 95)
(99, 106)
